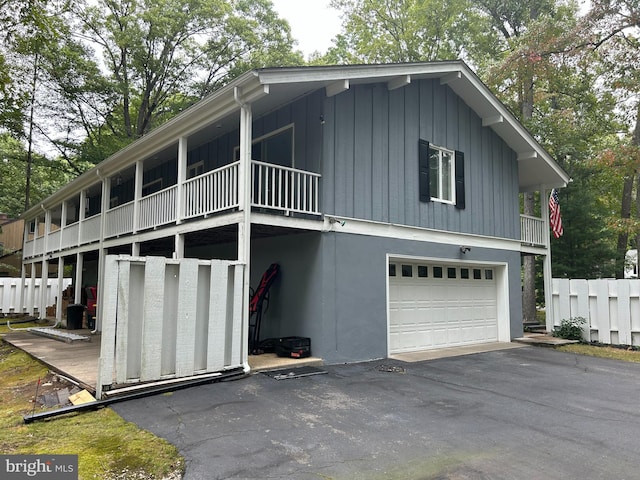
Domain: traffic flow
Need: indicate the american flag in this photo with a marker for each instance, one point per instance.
(554, 214)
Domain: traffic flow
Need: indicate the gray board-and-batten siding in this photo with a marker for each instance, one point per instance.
(370, 160)
(364, 143)
(332, 287)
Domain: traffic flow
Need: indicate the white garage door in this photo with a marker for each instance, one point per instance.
(437, 305)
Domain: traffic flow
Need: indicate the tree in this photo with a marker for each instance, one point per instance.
(575, 120)
(610, 31)
(527, 29)
(383, 31)
(48, 176)
(162, 56)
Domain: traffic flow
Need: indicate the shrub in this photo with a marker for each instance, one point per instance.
(570, 329)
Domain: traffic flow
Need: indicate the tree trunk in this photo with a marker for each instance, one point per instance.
(636, 141)
(625, 213)
(27, 187)
(529, 274)
(529, 261)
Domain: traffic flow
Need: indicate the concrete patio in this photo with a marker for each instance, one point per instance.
(78, 360)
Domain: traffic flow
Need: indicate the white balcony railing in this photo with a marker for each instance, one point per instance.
(212, 192)
(53, 242)
(532, 231)
(119, 220)
(158, 208)
(91, 229)
(284, 188)
(38, 246)
(70, 235)
(27, 249)
(274, 188)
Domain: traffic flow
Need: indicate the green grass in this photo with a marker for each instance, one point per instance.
(107, 446)
(602, 352)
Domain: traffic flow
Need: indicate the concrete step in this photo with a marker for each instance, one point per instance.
(541, 339)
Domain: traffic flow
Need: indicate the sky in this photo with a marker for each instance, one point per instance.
(313, 23)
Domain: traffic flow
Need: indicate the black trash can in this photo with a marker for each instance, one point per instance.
(75, 313)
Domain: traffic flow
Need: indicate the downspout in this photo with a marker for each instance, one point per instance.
(244, 250)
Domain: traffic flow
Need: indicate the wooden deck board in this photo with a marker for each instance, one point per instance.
(78, 360)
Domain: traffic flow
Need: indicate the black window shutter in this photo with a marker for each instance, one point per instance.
(423, 170)
(460, 197)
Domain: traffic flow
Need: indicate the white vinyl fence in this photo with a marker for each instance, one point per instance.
(10, 294)
(611, 307)
(165, 319)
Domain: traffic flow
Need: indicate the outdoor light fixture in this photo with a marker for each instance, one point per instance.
(333, 220)
(464, 249)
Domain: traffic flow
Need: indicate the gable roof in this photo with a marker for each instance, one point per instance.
(268, 88)
(536, 167)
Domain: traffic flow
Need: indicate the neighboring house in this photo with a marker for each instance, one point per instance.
(388, 194)
(11, 240)
(631, 264)
(12, 232)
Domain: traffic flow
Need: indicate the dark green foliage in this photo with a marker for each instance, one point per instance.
(587, 247)
(47, 176)
(570, 329)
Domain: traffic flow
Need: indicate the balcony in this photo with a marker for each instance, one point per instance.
(276, 189)
(533, 232)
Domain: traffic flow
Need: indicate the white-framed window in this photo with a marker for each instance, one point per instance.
(195, 169)
(442, 183)
(275, 147)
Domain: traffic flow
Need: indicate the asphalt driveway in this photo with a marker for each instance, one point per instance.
(527, 413)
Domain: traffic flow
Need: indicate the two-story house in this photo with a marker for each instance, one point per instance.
(388, 195)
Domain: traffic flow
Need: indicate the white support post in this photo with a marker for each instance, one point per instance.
(182, 177)
(106, 198)
(44, 281)
(82, 214)
(137, 195)
(59, 293)
(23, 275)
(42, 304)
(178, 249)
(63, 225)
(547, 276)
(77, 290)
(32, 290)
(244, 227)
